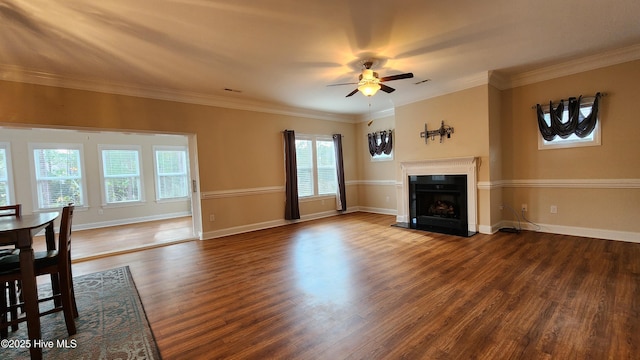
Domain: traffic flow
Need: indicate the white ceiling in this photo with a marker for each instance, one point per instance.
(286, 52)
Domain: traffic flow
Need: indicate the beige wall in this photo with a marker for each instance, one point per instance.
(238, 151)
(377, 179)
(607, 204)
(467, 112)
(241, 162)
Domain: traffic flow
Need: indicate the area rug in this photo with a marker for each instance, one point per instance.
(112, 323)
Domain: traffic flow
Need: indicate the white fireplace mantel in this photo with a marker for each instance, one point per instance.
(450, 166)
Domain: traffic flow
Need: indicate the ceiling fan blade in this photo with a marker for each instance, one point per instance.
(353, 92)
(350, 83)
(386, 88)
(397, 77)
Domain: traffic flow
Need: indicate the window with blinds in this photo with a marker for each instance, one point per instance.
(304, 160)
(172, 172)
(326, 162)
(316, 166)
(58, 175)
(121, 174)
(5, 186)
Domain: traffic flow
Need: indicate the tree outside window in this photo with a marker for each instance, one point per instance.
(172, 173)
(58, 174)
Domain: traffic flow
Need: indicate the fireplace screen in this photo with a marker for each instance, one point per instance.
(439, 203)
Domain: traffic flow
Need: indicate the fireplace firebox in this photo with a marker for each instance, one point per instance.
(438, 203)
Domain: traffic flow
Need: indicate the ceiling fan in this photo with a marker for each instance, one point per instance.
(369, 82)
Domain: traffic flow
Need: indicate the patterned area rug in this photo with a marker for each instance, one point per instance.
(112, 323)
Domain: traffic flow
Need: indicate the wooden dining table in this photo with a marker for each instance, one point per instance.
(19, 231)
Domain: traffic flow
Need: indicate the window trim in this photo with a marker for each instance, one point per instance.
(559, 143)
(10, 186)
(314, 169)
(103, 186)
(34, 181)
(156, 176)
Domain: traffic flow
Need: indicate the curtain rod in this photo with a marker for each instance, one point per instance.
(554, 103)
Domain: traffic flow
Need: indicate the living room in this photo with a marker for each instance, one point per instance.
(242, 187)
(258, 285)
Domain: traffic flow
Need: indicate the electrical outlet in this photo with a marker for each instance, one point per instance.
(524, 207)
(212, 217)
(554, 209)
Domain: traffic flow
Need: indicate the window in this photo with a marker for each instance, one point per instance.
(6, 185)
(58, 175)
(172, 172)
(572, 140)
(383, 156)
(315, 157)
(326, 163)
(121, 174)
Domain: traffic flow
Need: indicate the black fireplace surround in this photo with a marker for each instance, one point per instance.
(438, 203)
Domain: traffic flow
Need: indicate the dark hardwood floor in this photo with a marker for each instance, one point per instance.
(353, 287)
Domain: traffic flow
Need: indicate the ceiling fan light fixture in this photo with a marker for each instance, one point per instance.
(369, 88)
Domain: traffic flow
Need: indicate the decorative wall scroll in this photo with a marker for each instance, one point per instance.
(444, 130)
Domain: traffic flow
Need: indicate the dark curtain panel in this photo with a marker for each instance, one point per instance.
(291, 207)
(576, 124)
(342, 191)
(586, 125)
(386, 142)
(373, 143)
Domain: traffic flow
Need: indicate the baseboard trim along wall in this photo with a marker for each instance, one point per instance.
(128, 221)
(571, 230)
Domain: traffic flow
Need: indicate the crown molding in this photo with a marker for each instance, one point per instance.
(17, 74)
(376, 115)
(587, 63)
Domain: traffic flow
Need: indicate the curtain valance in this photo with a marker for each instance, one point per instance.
(386, 142)
(576, 124)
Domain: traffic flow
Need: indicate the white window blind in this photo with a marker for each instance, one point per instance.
(5, 193)
(58, 176)
(326, 161)
(316, 163)
(121, 175)
(304, 159)
(172, 173)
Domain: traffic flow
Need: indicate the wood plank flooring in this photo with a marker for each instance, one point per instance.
(92, 243)
(354, 287)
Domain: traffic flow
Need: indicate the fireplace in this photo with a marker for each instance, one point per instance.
(452, 206)
(438, 203)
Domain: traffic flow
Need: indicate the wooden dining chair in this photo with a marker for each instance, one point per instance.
(53, 262)
(8, 288)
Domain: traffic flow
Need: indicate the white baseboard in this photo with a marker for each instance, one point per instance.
(382, 211)
(573, 230)
(484, 229)
(104, 224)
(267, 225)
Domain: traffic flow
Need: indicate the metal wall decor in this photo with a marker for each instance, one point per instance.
(444, 130)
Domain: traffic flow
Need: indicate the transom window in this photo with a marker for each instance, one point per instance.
(315, 157)
(121, 174)
(58, 174)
